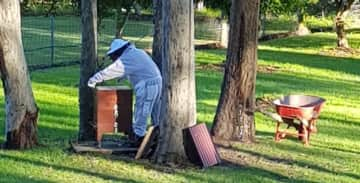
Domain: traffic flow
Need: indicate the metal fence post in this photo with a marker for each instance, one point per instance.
(52, 39)
(224, 34)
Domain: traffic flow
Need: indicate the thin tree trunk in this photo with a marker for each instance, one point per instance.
(87, 68)
(157, 20)
(342, 8)
(234, 119)
(121, 20)
(178, 69)
(340, 32)
(21, 110)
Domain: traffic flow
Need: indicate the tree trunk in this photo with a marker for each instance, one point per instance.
(178, 69)
(21, 110)
(342, 8)
(234, 119)
(87, 68)
(340, 32)
(157, 21)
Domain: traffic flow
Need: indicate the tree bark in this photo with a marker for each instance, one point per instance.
(21, 110)
(178, 69)
(342, 8)
(340, 32)
(234, 119)
(87, 68)
(157, 21)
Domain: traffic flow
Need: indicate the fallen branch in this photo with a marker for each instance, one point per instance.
(272, 115)
(264, 106)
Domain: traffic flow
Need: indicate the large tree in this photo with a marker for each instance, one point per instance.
(21, 110)
(234, 119)
(87, 68)
(342, 8)
(178, 70)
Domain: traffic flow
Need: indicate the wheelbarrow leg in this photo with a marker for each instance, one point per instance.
(277, 132)
(312, 126)
(304, 134)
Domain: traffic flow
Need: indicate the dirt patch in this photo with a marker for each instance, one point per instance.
(221, 66)
(340, 52)
(212, 67)
(267, 69)
(269, 37)
(208, 46)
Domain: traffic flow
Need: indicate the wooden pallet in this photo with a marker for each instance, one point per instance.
(108, 147)
(105, 148)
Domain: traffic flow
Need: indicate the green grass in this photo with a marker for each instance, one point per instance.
(333, 155)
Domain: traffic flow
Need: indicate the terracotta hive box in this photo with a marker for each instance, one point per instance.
(112, 104)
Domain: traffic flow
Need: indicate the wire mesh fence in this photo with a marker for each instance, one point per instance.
(53, 40)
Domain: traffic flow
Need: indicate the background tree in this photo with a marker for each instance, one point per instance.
(223, 5)
(120, 9)
(49, 7)
(268, 7)
(157, 20)
(234, 119)
(322, 8)
(114, 8)
(178, 70)
(87, 68)
(301, 7)
(21, 110)
(342, 8)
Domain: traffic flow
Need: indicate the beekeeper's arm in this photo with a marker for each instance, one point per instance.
(115, 70)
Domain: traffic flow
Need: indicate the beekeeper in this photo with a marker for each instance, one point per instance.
(142, 72)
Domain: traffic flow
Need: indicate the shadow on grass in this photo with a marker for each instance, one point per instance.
(232, 172)
(346, 65)
(314, 41)
(67, 169)
(49, 134)
(236, 163)
(286, 83)
(56, 109)
(352, 151)
(226, 172)
(334, 118)
(6, 177)
(305, 165)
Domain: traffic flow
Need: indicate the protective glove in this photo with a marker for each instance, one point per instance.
(91, 83)
(97, 78)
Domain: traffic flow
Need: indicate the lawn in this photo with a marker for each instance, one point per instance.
(333, 155)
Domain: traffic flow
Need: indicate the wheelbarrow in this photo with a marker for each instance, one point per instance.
(303, 109)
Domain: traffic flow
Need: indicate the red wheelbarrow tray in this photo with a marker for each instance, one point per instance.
(302, 107)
